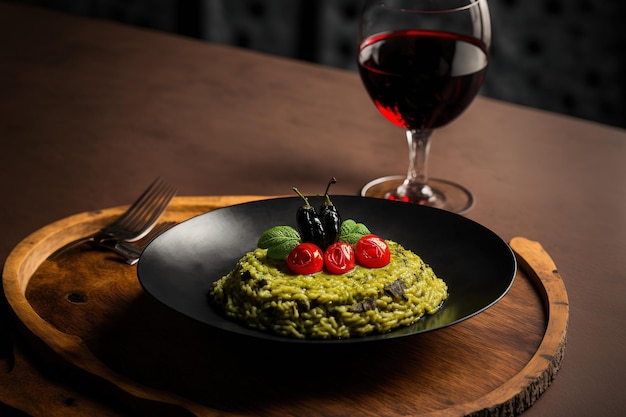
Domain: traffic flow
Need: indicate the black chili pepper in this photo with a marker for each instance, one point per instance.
(331, 220)
(308, 222)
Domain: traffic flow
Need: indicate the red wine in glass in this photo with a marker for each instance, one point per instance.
(423, 62)
(422, 79)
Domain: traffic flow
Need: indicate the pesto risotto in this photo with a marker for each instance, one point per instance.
(262, 293)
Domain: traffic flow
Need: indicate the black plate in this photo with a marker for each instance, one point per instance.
(179, 266)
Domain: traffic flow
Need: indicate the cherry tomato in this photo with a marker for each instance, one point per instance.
(305, 259)
(339, 258)
(372, 252)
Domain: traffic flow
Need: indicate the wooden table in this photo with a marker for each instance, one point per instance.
(91, 112)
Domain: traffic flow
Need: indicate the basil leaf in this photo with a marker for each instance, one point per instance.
(352, 231)
(279, 241)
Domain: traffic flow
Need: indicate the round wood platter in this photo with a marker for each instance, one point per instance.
(87, 315)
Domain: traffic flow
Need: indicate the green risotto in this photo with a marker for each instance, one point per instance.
(264, 295)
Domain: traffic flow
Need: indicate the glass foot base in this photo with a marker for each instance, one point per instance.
(448, 195)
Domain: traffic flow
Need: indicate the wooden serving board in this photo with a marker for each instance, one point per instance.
(86, 315)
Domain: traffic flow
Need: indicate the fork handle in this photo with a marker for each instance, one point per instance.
(70, 245)
(129, 252)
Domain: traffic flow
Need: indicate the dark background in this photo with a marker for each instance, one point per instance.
(566, 56)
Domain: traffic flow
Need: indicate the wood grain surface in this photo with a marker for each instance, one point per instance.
(87, 315)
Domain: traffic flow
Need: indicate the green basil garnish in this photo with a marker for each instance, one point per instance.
(279, 241)
(352, 231)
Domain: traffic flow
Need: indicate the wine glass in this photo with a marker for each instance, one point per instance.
(422, 62)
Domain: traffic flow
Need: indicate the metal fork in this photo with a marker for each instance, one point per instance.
(131, 251)
(133, 224)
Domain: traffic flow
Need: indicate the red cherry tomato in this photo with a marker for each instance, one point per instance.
(372, 252)
(339, 258)
(305, 259)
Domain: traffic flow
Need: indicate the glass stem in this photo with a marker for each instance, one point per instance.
(416, 184)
